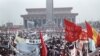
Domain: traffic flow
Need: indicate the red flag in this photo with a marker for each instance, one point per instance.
(72, 31)
(89, 30)
(44, 48)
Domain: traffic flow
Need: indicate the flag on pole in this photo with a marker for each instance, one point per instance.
(93, 35)
(72, 31)
(89, 30)
(44, 48)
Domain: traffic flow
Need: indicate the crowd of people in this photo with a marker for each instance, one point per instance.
(59, 47)
(16, 45)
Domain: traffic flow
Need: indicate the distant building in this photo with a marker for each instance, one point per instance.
(16, 28)
(9, 27)
(38, 16)
(48, 18)
(9, 24)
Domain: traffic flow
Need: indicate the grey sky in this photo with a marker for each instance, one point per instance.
(10, 10)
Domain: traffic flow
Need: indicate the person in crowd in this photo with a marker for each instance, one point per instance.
(19, 38)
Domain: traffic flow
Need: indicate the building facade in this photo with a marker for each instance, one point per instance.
(37, 17)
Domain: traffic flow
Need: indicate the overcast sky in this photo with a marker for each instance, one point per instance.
(10, 10)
